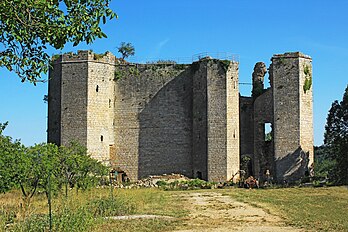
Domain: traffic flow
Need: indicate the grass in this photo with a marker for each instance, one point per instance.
(318, 209)
(86, 211)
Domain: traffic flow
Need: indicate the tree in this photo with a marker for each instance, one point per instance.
(28, 27)
(336, 138)
(126, 49)
(9, 152)
(77, 168)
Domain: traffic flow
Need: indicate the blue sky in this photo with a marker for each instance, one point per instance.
(176, 30)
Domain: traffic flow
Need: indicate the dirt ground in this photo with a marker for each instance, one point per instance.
(211, 211)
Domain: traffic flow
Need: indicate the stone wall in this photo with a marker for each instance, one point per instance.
(200, 120)
(292, 111)
(74, 81)
(263, 150)
(54, 103)
(232, 119)
(306, 108)
(246, 111)
(153, 118)
(222, 120)
(100, 107)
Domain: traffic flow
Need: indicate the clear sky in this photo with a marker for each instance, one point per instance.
(159, 29)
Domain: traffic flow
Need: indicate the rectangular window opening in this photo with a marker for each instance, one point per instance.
(268, 132)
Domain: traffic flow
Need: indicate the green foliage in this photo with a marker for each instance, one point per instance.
(281, 60)
(336, 138)
(55, 57)
(268, 136)
(9, 151)
(99, 56)
(307, 70)
(308, 79)
(77, 168)
(31, 168)
(307, 84)
(186, 184)
(118, 74)
(324, 166)
(225, 64)
(107, 207)
(134, 71)
(161, 62)
(126, 50)
(28, 27)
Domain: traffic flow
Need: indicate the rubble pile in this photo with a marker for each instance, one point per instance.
(151, 181)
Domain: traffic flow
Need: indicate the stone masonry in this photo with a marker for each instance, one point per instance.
(148, 119)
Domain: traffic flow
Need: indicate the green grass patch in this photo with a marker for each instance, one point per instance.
(319, 209)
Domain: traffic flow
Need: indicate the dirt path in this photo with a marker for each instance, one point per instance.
(211, 211)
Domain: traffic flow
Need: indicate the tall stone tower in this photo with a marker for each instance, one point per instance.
(215, 120)
(81, 102)
(291, 80)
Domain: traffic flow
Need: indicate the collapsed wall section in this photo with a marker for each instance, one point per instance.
(263, 148)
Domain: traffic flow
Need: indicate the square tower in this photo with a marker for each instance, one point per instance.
(291, 81)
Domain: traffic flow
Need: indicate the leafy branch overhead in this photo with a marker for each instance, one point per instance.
(28, 27)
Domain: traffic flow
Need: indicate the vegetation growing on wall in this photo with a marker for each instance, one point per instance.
(308, 79)
(134, 71)
(225, 64)
(97, 56)
(119, 73)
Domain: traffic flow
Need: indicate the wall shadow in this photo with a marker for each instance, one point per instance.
(165, 129)
(292, 167)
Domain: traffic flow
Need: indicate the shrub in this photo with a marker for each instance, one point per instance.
(111, 207)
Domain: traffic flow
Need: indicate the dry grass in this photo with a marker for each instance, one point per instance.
(318, 209)
(146, 201)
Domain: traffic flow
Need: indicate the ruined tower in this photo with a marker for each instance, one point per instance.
(286, 151)
(293, 114)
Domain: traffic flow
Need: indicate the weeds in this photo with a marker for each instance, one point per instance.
(111, 207)
(87, 210)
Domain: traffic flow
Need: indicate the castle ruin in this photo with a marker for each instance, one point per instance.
(148, 119)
